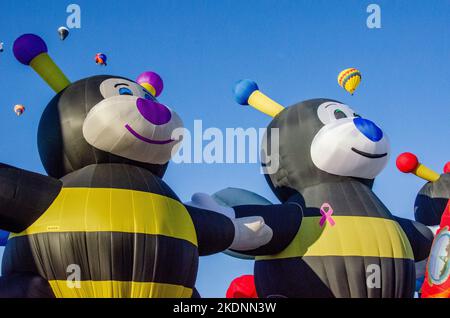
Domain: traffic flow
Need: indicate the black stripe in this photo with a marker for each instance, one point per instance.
(104, 256)
(349, 198)
(118, 176)
(334, 276)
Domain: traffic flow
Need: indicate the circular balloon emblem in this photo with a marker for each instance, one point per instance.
(439, 265)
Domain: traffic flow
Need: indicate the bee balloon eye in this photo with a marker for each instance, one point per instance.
(125, 91)
(356, 115)
(339, 114)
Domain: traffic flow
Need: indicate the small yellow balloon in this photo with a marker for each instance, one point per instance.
(349, 79)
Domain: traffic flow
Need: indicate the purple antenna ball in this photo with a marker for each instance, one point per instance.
(153, 79)
(27, 47)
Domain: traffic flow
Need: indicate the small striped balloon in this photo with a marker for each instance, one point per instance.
(349, 79)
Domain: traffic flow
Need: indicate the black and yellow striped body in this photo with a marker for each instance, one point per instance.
(339, 260)
(124, 229)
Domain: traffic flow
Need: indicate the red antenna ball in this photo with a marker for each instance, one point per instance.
(447, 167)
(407, 162)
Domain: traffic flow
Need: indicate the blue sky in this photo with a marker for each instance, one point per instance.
(293, 49)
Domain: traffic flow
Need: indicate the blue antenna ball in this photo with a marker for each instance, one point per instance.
(243, 89)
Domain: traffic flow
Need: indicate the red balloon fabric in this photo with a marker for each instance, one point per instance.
(447, 167)
(437, 275)
(242, 287)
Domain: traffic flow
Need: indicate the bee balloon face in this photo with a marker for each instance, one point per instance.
(348, 145)
(106, 119)
(320, 140)
(130, 122)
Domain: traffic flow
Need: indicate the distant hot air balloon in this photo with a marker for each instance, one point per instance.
(349, 79)
(1, 47)
(100, 59)
(63, 33)
(19, 109)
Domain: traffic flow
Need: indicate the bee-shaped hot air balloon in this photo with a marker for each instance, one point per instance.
(331, 234)
(349, 79)
(432, 207)
(103, 215)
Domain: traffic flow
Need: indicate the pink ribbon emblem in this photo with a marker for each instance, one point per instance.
(326, 212)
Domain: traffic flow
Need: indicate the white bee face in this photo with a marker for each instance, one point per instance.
(131, 123)
(348, 145)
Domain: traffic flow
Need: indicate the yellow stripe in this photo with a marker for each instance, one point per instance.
(117, 289)
(351, 236)
(115, 210)
(50, 72)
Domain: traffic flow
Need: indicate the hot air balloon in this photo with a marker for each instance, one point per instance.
(100, 59)
(432, 207)
(349, 79)
(1, 47)
(330, 225)
(139, 242)
(19, 109)
(63, 33)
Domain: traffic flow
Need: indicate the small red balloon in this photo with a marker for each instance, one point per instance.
(407, 162)
(242, 287)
